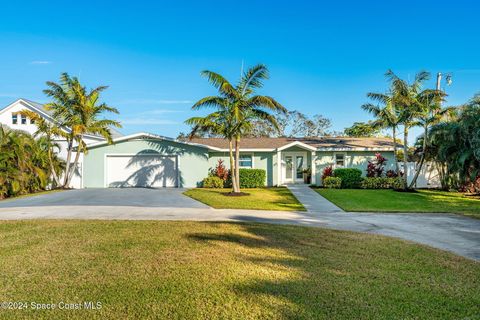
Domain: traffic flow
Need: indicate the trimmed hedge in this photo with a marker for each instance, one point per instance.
(351, 177)
(213, 182)
(382, 183)
(252, 178)
(332, 182)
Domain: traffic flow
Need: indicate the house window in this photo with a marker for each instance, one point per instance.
(14, 118)
(32, 121)
(246, 161)
(339, 160)
(24, 119)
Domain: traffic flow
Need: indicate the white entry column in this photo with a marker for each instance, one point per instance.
(313, 167)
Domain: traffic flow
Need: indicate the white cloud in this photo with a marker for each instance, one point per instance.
(40, 62)
(147, 121)
(154, 101)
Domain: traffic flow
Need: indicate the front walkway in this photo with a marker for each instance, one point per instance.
(311, 200)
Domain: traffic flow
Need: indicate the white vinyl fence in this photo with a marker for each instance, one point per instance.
(428, 177)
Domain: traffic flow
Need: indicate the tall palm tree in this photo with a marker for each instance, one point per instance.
(405, 97)
(386, 116)
(239, 105)
(430, 113)
(78, 112)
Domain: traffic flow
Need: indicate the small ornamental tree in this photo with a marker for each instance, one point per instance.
(376, 166)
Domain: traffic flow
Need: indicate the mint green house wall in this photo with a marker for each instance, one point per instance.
(193, 161)
(261, 160)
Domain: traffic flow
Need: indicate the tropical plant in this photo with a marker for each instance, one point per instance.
(376, 166)
(220, 171)
(386, 116)
(327, 172)
(236, 108)
(430, 113)
(407, 97)
(25, 165)
(455, 146)
(78, 112)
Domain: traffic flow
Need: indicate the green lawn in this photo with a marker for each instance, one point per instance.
(392, 201)
(194, 270)
(258, 199)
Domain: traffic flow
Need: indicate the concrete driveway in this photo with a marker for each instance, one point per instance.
(454, 233)
(123, 197)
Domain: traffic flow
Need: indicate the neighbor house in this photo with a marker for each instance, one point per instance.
(10, 116)
(150, 160)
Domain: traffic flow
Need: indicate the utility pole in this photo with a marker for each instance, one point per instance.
(439, 80)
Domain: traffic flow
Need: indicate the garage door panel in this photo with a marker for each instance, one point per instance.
(141, 171)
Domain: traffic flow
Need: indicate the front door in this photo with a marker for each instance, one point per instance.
(293, 166)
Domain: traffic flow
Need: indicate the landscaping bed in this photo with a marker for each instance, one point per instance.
(192, 270)
(280, 199)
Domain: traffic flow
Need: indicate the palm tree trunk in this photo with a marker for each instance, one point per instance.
(237, 163)
(232, 165)
(422, 159)
(67, 165)
(397, 166)
(73, 168)
(52, 168)
(405, 156)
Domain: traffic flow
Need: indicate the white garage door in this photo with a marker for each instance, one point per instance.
(141, 171)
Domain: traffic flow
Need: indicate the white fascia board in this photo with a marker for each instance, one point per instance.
(354, 149)
(298, 144)
(146, 135)
(243, 149)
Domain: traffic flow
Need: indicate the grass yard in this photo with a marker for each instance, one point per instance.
(258, 199)
(392, 201)
(194, 270)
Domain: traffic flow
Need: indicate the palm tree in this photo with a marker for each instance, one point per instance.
(405, 97)
(431, 112)
(455, 144)
(386, 117)
(24, 164)
(47, 131)
(237, 106)
(78, 112)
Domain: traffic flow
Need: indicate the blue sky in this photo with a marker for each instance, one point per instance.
(323, 56)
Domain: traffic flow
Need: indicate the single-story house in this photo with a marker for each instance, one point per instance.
(150, 160)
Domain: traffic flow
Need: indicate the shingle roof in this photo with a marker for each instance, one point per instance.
(317, 142)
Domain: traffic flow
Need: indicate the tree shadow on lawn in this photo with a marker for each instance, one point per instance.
(304, 272)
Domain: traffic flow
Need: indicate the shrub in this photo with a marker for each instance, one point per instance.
(332, 182)
(327, 172)
(382, 183)
(351, 177)
(220, 171)
(252, 178)
(375, 167)
(377, 183)
(213, 182)
(398, 184)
